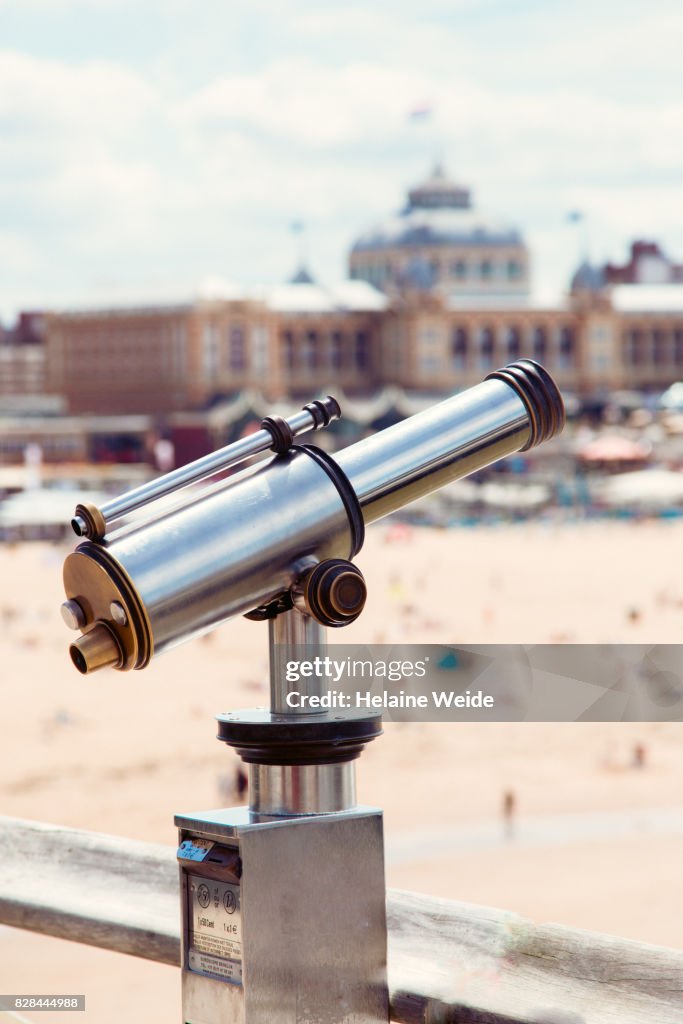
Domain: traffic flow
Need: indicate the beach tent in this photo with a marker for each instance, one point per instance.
(515, 496)
(43, 508)
(646, 488)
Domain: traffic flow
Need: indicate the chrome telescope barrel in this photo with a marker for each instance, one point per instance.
(244, 544)
(275, 434)
(513, 410)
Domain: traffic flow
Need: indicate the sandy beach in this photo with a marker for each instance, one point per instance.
(596, 844)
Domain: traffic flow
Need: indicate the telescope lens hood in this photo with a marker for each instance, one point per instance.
(540, 395)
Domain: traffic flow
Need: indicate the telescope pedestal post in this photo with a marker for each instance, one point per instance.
(288, 633)
(284, 901)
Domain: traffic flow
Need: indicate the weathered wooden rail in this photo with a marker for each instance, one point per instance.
(449, 962)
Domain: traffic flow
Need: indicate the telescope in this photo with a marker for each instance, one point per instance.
(283, 902)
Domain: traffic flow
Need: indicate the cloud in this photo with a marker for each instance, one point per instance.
(307, 103)
(61, 5)
(170, 170)
(38, 94)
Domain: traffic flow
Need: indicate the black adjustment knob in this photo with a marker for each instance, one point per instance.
(335, 592)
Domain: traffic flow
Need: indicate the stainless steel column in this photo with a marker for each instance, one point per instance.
(285, 790)
(292, 630)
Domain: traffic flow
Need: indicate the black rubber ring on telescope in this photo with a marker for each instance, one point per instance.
(280, 431)
(540, 395)
(346, 493)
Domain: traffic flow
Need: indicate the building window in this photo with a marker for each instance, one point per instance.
(309, 351)
(634, 354)
(429, 364)
(288, 350)
(486, 270)
(567, 348)
(210, 350)
(658, 347)
(362, 350)
(179, 349)
(337, 350)
(459, 346)
(514, 270)
(259, 349)
(238, 349)
(678, 347)
(459, 270)
(540, 344)
(429, 336)
(486, 348)
(514, 343)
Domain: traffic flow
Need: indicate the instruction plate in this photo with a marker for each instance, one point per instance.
(215, 932)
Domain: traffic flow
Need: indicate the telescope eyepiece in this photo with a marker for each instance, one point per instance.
(79, 526)
(97, 648)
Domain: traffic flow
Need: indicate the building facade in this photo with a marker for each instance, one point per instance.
(438, 296)
(163, 359)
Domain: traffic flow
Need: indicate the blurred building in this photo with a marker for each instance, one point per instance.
(438, 295)
(22, 359)
(632, 332)
(163, 358)
(440, 243)
(647, 265)
(159, 358)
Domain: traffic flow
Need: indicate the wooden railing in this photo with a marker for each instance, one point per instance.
(448, 962)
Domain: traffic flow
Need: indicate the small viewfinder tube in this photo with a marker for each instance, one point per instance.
(276, 434)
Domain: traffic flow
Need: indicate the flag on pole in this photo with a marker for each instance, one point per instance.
(421, 112)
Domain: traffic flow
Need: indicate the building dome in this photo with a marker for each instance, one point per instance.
(439, 227)
(588, 278)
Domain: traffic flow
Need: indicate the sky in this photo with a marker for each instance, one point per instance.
(147, 145)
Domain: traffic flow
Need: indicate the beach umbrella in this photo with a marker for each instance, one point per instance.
(615, 448)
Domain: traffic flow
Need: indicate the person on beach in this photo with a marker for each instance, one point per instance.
(509, 810)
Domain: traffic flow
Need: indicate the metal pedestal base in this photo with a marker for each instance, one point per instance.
(283, 919)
